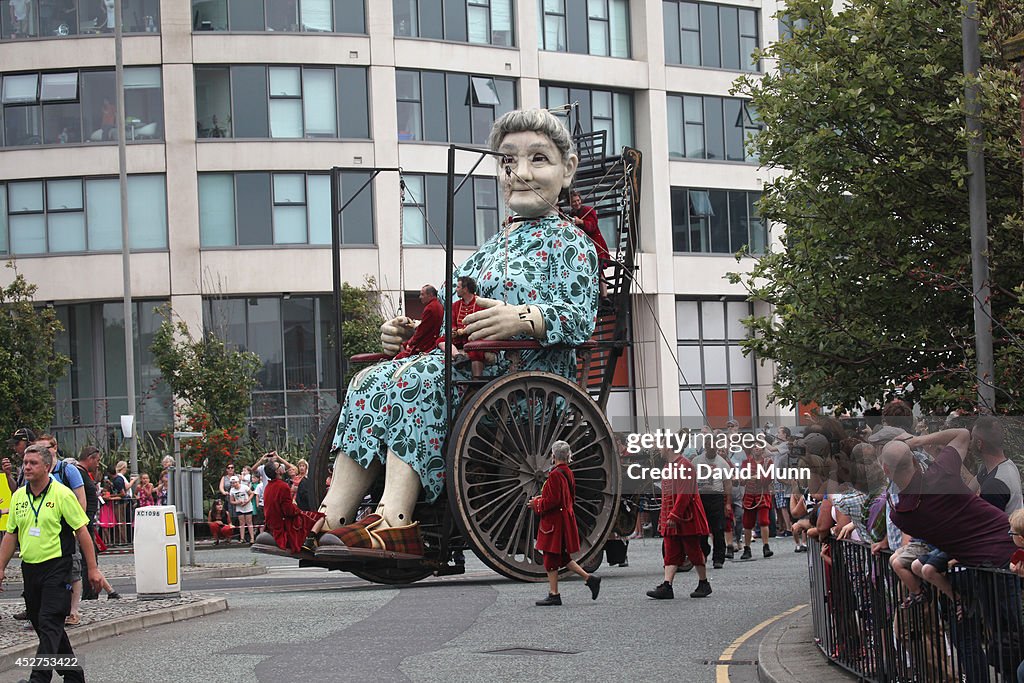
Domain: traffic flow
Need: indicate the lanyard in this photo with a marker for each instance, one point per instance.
(36, 510)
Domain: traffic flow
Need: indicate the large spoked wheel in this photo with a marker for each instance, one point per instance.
(498, 456)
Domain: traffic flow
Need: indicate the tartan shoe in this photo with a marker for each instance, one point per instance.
(357, 535)
(399, 539)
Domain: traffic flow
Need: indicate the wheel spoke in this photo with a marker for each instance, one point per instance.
(508, 432)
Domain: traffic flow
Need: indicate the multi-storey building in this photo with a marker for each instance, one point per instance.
(235, 112)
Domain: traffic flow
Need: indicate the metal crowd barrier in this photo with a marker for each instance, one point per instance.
(861, 625)
(116, 522)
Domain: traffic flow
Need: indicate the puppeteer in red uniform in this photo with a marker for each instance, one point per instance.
(585, 218)
(682, 525)
(557, 534)
(465, 303)
(289, 525)
(424, 339)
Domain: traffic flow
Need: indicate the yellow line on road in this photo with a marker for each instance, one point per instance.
(722, 670)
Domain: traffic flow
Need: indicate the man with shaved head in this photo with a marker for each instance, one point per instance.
(937, 506)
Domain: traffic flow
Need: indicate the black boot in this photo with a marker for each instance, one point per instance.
(767, 551)
(703, 590)
(311, 543)
(662, 592)
(594, 584)
(552, 599)
(746, 553)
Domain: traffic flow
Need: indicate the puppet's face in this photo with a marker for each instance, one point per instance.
(533, 173)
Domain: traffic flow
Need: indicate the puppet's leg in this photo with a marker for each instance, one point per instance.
(401, 489)
(349, 483)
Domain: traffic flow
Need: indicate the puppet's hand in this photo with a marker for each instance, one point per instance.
(396, 331)
(498, 320)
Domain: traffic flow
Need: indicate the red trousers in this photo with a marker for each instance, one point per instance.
(755, 509)
(675, 550)
(555, 561)
(219, 530)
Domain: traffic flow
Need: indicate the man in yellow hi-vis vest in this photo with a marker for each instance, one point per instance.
(45, 518)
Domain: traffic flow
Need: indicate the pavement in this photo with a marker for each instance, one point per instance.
(105, 618)
(787, 654)
(102, 619)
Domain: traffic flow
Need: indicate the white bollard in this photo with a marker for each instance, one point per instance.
(157, 552)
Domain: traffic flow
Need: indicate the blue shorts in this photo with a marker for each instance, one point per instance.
(937, 559)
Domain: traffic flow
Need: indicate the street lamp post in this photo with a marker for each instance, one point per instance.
(126, 262)
(978, 214)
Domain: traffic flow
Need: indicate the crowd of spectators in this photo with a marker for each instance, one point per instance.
(238, 513)
(939, 503)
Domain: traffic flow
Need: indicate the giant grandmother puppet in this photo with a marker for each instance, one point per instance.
(537, 279)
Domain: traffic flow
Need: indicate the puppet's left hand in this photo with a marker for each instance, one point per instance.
(498, 321)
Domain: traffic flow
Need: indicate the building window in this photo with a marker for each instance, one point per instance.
(709, 127)
(598, 110)
(717, 221)
(309, 16)
(79, 215)
(281, 102)
(93, 394)
(717, 381)
(65, 107)
(425, 210)
(267, 209)
(702, 34)
(21, 19)
(486, 22)
(292, 337)
(588, 27)
(450, 107)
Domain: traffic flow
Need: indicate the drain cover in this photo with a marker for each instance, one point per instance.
(528, 651)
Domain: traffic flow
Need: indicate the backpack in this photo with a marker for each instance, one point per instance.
(92, 498)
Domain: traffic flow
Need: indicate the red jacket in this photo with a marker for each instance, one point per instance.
(460, 310)
(757, 484)
(557, 531)
(680, 502)
(425, 337)
(590, 227)
(288, 524)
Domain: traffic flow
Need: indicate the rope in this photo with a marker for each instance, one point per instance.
(401, 243)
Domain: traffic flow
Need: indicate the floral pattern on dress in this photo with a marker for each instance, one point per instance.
(400, 404)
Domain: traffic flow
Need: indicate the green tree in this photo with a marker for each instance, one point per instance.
(29, 362)
(215, 383)
(864, 122)
(361, 319)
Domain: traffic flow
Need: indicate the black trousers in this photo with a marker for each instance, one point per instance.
(714, 508)
(48, 601)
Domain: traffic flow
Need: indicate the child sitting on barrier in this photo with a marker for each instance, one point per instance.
(913, 551)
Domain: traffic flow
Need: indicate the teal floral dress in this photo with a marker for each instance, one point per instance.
(400, 404)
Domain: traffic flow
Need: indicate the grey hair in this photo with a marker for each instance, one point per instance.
(535, 120)
(561, 452)
(43, 452)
